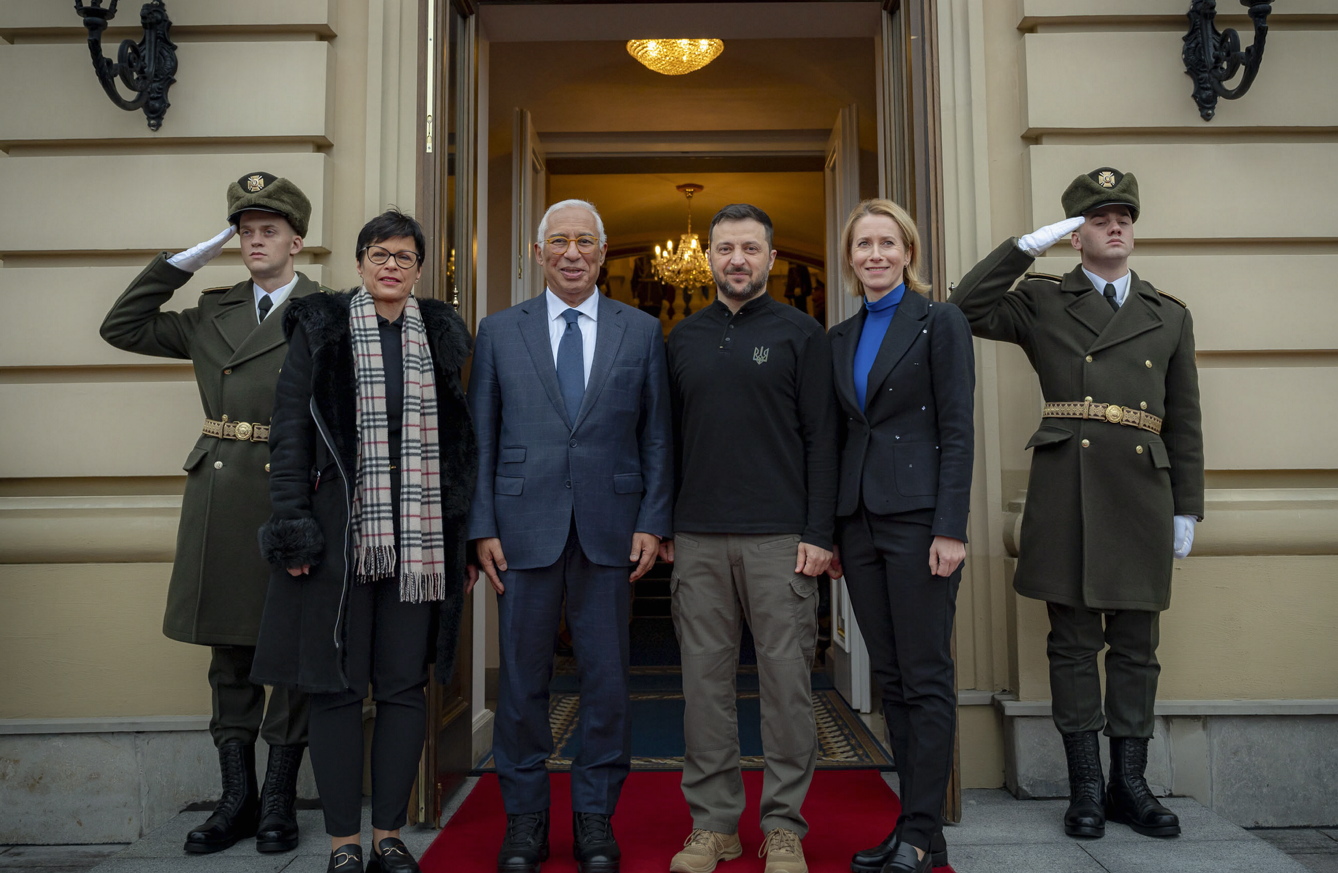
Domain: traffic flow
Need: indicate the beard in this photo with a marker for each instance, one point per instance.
(748, 292)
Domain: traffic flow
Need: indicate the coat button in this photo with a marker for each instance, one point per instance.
(267, 465)
(1143, 404)
(1087, 399)
(218, 465)
(1138, 449)
(1086, 443)
(227, 372)
(573, 444)
(568, 483)
(224, 419)
(1089, 359)
(1147, 364)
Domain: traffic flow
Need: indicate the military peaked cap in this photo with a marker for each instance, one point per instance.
(1104, 186)
(268, 193)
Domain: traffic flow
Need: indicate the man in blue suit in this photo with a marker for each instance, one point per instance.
(570, 398)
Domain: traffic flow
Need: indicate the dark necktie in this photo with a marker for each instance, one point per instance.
(1110, 297)
(571, 365)
(265, 305)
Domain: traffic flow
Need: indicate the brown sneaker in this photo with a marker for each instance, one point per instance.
(702, 850)
(783, 852)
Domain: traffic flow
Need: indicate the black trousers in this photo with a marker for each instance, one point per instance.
(387, 648)
(1077, 636)
(240, 713)
(905, 615)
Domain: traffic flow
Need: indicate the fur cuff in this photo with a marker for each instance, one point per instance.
(286, 543)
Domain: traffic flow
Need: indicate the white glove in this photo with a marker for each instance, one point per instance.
(1184, 535)
(1036, 242)
(197, 256)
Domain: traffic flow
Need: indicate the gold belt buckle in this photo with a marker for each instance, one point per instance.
(1114, 414)
(243, 430)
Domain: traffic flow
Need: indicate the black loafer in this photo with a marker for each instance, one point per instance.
(391, 856)
(871, 860)
(345, 859)
(905, 860)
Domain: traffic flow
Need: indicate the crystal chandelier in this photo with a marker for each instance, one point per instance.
(674, 57)
(686, 266)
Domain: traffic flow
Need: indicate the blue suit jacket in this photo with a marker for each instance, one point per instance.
(612, 467)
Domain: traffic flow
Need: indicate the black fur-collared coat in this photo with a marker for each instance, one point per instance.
(313, 462)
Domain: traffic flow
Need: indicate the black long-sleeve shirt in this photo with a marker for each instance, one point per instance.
(755, 421)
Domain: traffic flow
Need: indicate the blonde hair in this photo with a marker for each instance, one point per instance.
(909, 236)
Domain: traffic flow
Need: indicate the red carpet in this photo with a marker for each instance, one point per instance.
(846, 810)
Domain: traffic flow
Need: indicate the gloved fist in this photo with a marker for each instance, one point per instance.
(197, 256)
(1184, 535)
(1036, 242)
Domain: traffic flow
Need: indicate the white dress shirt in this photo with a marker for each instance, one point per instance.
(557, 325)
(1121, 285)
(276, 297)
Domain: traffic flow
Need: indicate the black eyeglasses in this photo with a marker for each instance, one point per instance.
(378, 255)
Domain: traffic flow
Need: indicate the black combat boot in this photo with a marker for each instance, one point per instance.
(238, 811)
(525, 845)
(593, 844)
(277, 831)
(1085, 816)
(1128, 798)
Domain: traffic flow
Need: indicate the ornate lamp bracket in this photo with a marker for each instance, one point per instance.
(1212, 58)
(146, 68)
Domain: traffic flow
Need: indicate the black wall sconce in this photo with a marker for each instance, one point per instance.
(146, 68)
(1211, 58)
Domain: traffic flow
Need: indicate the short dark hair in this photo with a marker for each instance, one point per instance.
(744, 212)
(388, 225)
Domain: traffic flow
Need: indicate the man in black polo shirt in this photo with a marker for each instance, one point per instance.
(755, 420)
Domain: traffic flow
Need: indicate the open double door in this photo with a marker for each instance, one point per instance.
(450, 168)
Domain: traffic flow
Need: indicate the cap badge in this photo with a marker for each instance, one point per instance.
(257, 183)
(1106, 179)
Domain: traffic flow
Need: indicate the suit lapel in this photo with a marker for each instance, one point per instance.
(268, 334)
(1087, 306)
(1138, 314)
(609, 330)
(907, 324)
(236, 317)
(844, 340)
(534, 330)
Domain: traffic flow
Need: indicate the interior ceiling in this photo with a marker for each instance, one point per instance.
(764, 105)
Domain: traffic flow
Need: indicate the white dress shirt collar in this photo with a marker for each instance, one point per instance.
(556, 305)
(276, 297)
(1121, 284)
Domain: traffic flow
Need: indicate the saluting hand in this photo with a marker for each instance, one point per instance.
(1036, 242)
(197, 256)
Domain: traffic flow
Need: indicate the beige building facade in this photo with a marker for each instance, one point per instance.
(979, 121)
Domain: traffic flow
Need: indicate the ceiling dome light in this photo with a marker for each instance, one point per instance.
(674, 57)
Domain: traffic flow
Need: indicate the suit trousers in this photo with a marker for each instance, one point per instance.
(905, 614)
(598, 601)
(387, 647)
(1077, 636)
(720, 581)
(239, 704)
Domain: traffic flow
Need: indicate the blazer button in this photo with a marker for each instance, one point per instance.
(568, 483)
(1085, 443)
(573, 444)
(218, 465)
(227, 372)
(1089, 359)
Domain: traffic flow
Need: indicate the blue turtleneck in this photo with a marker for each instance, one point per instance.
(878, 315)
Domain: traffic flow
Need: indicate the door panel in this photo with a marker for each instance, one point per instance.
(529, 182)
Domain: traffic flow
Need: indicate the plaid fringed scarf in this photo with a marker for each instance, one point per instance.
(422, 545)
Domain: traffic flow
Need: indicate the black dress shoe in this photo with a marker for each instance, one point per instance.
(871, 860)
(237, 814)
(1129, 800)
(1086, 815)
(904, 859)
(391, 856)
(277, 831)
(525, 845)
(595, 849)
(345, 859)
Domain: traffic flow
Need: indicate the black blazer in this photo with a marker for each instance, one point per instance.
(912, 448)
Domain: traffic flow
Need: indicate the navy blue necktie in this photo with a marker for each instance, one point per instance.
(571, 365)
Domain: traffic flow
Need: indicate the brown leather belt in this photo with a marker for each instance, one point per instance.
(237, 430)
(1107, 412)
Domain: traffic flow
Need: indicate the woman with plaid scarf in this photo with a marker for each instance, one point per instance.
(372, 465)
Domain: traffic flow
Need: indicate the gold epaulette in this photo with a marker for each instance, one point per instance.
(216, 290)
(1052, 278)
(1172, 297)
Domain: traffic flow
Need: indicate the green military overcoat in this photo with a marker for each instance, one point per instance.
(218, 582)
(1097, 530)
